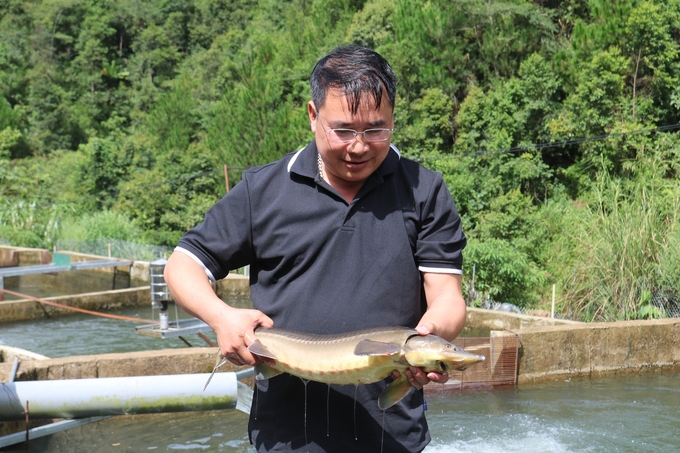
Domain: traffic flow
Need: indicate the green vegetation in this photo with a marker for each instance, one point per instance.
(554, 125)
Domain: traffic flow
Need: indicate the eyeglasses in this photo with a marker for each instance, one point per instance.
(380, 134)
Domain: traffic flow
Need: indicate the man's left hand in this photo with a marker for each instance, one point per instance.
(416, 376)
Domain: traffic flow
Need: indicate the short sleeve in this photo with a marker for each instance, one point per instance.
(223, 241)
(440, 237)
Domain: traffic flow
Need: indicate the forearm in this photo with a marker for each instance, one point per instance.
(446, 311)
(192, 291)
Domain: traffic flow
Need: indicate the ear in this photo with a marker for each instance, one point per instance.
(311, 111)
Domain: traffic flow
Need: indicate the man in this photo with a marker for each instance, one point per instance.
(343, 235)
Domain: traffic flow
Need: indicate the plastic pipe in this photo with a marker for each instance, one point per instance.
(73, 398)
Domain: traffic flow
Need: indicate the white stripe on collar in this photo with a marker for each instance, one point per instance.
(294, 158)
(395, 150)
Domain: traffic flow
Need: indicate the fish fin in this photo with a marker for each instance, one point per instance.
(221, 361)
(264, 371)
(394, 393)
(371, 347)
(258, 348)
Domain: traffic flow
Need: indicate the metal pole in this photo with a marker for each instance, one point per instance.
(552, 310)
(473, 293)
(28, 425)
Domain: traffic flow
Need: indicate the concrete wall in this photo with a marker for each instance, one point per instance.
(143, 363)
(596, 349)
(20, 256)
(234, 285)
(8, 354)
(23, 310)
(546, 353)
(555, 349)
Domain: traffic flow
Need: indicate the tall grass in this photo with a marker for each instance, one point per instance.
(623, 248)
(30, 223)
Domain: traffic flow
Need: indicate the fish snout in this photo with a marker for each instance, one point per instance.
(435, 352)
(461, 360)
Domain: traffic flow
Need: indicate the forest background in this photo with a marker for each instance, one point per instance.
(554, 123)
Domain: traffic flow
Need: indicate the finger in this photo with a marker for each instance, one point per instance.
(248, 338)
(416, 377)
(264, 321)
(412, 379)
(439, 378)
(425, 329)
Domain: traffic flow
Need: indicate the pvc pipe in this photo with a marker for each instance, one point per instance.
(73, 398)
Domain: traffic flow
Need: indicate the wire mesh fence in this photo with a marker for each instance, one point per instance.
(664, 304)
(501, 350)
(123, 249)
(116, 248)
(667, 303)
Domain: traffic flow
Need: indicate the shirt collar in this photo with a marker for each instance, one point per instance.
(304, 162)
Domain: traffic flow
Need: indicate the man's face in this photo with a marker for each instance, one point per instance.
(350, 164)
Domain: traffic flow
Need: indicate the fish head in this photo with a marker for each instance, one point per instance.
(433, 353)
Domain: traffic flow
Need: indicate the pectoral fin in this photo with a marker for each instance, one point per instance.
(370, 347)
(264, 371)
(258, 348)
(394, 393)
(221, 361)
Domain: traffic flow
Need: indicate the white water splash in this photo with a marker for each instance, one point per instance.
(188, 447)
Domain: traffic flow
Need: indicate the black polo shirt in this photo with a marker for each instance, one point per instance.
(321, 265)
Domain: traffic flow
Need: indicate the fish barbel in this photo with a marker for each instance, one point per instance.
(361, 357)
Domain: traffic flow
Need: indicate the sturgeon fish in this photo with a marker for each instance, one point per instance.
(361, 357)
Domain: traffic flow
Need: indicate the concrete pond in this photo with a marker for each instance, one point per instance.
(545, 350)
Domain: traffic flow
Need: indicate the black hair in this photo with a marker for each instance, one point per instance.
(357, 71)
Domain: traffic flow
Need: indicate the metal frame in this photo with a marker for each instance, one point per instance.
(53, 268)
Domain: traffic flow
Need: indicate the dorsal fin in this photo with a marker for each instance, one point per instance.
(371, 347)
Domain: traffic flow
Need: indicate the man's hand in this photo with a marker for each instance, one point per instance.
(235, 330)
(234, 327)
(417, 376)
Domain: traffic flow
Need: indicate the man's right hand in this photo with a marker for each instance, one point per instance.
(234, 327)
(235, 330)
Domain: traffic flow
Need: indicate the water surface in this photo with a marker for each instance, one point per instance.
(620, 414)
(629, 414)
